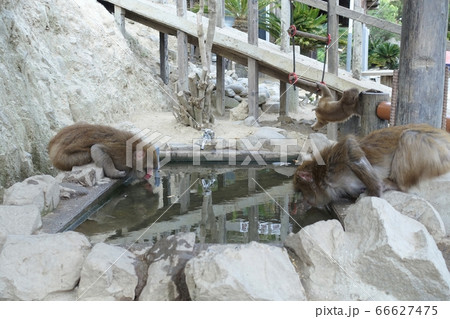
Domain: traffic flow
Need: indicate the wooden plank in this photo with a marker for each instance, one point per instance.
(233, 44)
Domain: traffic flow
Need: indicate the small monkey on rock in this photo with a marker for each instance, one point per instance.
(83, 143)
(397, 157)
(330, 110)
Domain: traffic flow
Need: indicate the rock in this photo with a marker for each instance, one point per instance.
(70, 190)
(240, 112)
(39, 190)
(243, 272)
(34, 266)
(251, 121)
(270, 133)
(108, 274)
(436, 192)
(263, 94)
(230, 102)
(19, 220)
(87, 175)
(167, 259)
(382, 255)
(229, 92)
(419, 209)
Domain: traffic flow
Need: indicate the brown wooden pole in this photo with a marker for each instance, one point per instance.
(368, 103)
(422, 62)
(253, 68)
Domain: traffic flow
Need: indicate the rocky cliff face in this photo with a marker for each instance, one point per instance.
(62, 62)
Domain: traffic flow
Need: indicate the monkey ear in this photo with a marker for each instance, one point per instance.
(306, 176)
(140, 154)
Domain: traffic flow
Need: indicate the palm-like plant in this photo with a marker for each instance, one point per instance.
(386, 56)
(305, 19)
(238, 9)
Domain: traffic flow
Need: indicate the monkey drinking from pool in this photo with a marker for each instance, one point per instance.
(397, 157)
(83, 143)
(329, 110)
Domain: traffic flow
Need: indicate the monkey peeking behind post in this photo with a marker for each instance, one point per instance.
(394, 158)
(330, 110)
(83, 143)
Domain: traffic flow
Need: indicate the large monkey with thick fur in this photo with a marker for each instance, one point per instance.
(83, 143)
(397, 157)
(329, 110)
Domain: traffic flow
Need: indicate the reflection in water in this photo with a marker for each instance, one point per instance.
(222, 205)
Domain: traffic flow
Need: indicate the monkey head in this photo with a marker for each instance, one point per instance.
(307, 181)
(145, 161)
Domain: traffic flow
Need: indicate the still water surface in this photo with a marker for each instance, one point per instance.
(222, 205)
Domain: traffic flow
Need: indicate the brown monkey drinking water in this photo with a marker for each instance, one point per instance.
(392, 158)
(329, 110)
(83, 143)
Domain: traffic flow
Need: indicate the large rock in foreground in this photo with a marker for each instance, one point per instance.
(39, 190)
(167, 258)
(243, 272)
(382, 255)
(19, 220)
(34, 266)
(108, 274)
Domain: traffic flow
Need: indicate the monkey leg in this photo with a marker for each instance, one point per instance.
(102, 159)
(361, 167)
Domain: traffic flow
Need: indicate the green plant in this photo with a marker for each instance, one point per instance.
(305, 19)
(239, 8)
(385, 55)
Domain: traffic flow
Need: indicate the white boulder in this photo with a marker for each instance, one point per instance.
(382, 255)
(436, 191)
(34, 266)
(167, 260)
(39, 190)
(419, 209)
(19, 220)
(108, 274)
(87, 175)
(243, 272)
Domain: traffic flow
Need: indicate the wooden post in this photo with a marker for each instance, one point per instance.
(164, 67)
(253, 69)
(119, 16)
(368, 102)
(333, 55)
(220, 64)
(283, 101)
(182, 58)
(357, 42)
(422, 62)
(285, 21)
(164, 57)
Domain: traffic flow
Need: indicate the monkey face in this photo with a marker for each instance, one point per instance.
(312, 192)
